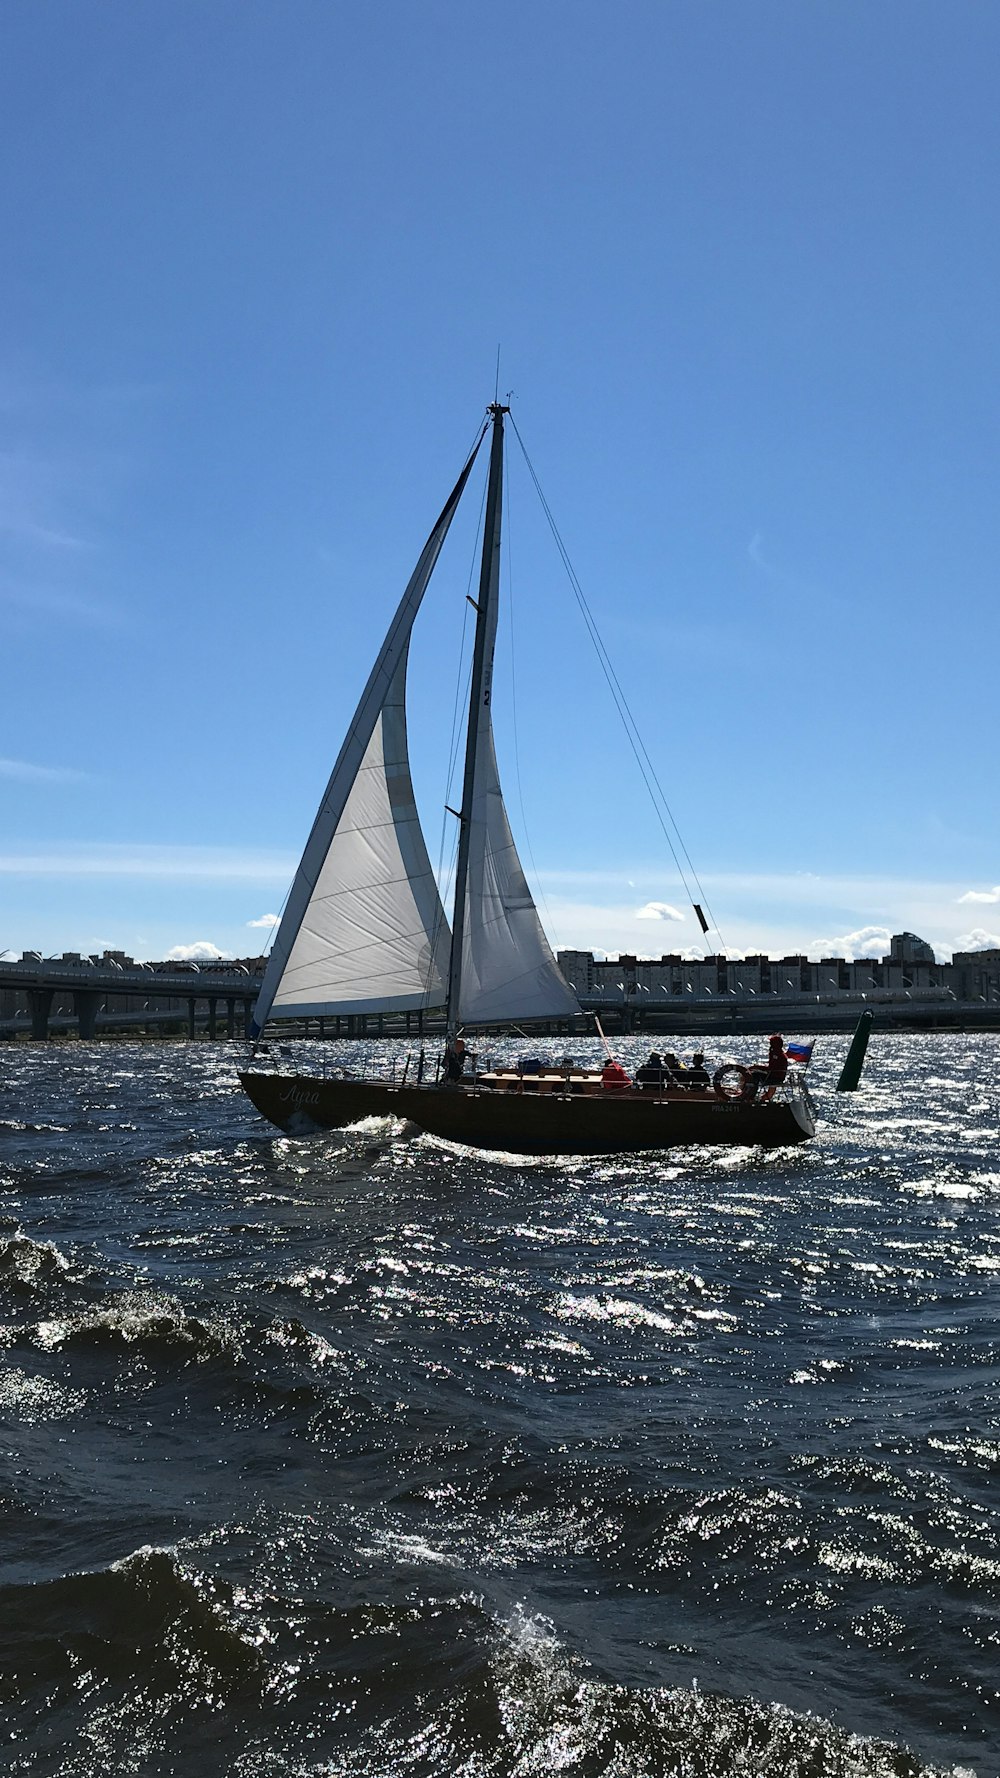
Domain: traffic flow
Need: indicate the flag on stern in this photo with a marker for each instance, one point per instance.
(799, 1052)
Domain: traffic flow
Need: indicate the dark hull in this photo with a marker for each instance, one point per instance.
(529, 1123)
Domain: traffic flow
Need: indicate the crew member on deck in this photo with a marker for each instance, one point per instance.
(774, 1073)
(614, 1078)
(454, 1060)
(697, 1074)
(650, 1077)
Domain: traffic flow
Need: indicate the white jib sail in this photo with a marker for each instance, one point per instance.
(508, 970)
(363, 929)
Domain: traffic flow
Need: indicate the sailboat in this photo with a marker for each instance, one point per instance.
(364, 931)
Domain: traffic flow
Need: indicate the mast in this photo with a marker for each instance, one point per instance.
(480, 693)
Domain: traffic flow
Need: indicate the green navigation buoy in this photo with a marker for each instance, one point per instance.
(850, 1074)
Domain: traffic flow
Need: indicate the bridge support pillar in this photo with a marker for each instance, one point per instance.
(39, 1006)
(230, 1017)
(86, 1005)
(191, 1016)
(247, 1017)
(212, 1004)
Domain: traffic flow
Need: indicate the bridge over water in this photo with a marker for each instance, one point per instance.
(86, 998)
(75, 995)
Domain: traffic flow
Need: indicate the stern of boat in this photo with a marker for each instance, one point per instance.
(801, 1107)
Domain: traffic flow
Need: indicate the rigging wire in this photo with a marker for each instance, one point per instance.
(513, 706)
(646, 768)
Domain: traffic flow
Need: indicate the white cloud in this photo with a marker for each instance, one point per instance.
(986, 895)
(658, 910)
(203, 951)
(853, 917)
(978, 940)
(266, 920)
(868, 941)
(23, 772)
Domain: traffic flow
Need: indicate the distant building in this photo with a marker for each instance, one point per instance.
(977, 975)
(578, 968)
(906, 947)
(909, 972)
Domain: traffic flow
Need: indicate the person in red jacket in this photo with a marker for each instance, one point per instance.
(614, 1078)
(774, 1073)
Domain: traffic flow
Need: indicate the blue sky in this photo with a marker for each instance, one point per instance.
(742, 262)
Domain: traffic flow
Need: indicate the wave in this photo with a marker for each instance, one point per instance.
(555, 1716)
(150, 1659)
(157, 1326)
(465, 1692)
(28, 1266)
(149, 1321)
(145, 1618)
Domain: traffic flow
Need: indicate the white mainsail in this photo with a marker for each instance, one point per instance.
(374, 936)
(363, 929)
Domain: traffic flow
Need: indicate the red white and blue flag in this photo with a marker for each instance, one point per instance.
(799, 1052)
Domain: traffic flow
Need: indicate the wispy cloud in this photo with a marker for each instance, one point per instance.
(756, 553)
(983, 895)
(790, 584)
(22, 771)
(795, 889)
(68, 451)
(21, 597)
(158, 863)
(266, 920)
(27, 392)
(31, 502)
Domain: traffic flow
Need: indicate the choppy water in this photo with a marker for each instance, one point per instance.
(364, 1455)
